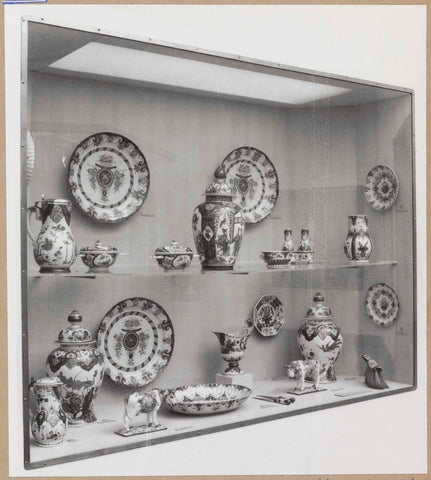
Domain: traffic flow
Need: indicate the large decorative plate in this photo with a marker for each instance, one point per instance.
(268, 315)
(254, 182)
(136, 338)
(381, 187)
(382, 305)
(108, 177)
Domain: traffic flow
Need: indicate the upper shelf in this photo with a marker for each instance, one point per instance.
(240, 269)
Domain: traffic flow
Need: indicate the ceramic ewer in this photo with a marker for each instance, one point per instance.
(207, 398)
(218, 226)
(98, 257)
(136, 338)
(381, 187)
(254, 182)
(232, 346)
(79, 365)
(320, 339)
(54, 247)
(358, 245)
(49, 422)
(108, 177)
(173, 257)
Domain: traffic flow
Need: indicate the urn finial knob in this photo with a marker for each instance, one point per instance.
(74, 317)
(220, 172)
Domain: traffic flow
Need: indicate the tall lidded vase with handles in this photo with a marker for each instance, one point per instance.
(54, 248)
(218, 226)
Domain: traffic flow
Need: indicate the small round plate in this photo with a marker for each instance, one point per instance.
(382, 305)
(136, 338)
(108, 177)
(254, 182)
(381, 187)
(268, 315)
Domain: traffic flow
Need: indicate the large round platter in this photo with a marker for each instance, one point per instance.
(268, 315)
(136, 338)
(254, 182)
(108, 177)
(382, 305)
(206, 398)
(381, 187)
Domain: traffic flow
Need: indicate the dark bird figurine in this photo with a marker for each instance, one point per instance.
(373, 375)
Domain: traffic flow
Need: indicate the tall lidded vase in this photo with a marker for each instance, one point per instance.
(320, 339)
(79, 365)
(218, 226)
(358, 245)
(54, 247)
(48, 423)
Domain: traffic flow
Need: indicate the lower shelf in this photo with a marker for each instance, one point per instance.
(81, 440)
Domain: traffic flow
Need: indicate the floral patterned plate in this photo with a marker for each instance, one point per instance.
(254, 182)
(382, 305)
(381, 187)
(268, 315)
(206, 398)
(108, 177)
(136, 338)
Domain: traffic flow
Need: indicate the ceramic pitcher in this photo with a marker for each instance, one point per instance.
(358, 245)
(48, 424)
(54, 248)
(232, 346)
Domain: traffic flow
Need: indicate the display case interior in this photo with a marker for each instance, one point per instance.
(174, 115)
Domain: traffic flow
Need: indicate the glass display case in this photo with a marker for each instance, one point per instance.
(173, 193)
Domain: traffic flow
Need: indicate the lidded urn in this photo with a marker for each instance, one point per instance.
(320, 339)
(218, 226)
(80, 366)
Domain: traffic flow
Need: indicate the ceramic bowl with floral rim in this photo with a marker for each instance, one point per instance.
(173, 257)
(98, 257)
(206, 398)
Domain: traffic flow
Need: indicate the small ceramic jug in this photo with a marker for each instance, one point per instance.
(288, 245)
(54, 248)
(358, 245)
(232, 346)
(49, 423)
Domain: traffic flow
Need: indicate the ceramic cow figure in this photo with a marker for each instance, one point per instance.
(302, 369)
(137, 403)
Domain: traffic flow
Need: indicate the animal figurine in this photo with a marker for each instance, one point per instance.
(137, 403)
(302, 369)
(373, 374)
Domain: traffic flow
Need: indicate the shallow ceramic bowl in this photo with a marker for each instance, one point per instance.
(278, 258)
(174, 260)
(206, 398)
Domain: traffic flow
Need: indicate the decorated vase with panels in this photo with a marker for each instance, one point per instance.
(320, 339)
(358, 245)
(54, 247)
(49, 423)
(218, 226)
(79, 365)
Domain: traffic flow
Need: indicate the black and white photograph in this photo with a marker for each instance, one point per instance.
(216, 239)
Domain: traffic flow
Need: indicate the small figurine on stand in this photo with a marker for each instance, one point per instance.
(141, 402)
(373, 375)
(301, 370)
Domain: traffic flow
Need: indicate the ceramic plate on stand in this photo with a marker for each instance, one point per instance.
(382, 305)
(254, 182)
(108, 177)
(268, 315)
(381, 187)
(136, 338)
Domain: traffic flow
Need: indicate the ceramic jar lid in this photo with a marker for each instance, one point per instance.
(75, 333)
(47, 382)
(319, 311)
(174, 248)
(220, 187)
(98, 247)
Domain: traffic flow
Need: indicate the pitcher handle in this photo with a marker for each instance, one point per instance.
(34, 209)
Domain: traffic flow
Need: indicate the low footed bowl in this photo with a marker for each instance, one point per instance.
(278, 258)
(207, 398)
